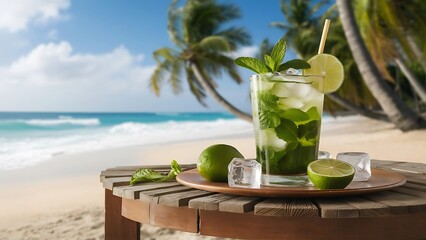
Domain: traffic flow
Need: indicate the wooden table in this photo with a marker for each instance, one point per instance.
(399, 213)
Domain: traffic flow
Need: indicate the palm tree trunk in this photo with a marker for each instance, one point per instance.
(399, 114)
(414, 82)
(355, 109)
(416, 50)
(216, 96)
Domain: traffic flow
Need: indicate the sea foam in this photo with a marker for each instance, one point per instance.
(23, 152)
(62, 121)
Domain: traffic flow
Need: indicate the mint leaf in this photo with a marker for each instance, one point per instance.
(146, 175)
(149, 175)
(278, 53)
(295, 63)
(309, 130)
(175, 168)
(268, 119)
(297, 160)
(252, 64)
(270, 62)
(287, 131)
(295, 115)
(313, 113)
(268, 110)
(273, 157)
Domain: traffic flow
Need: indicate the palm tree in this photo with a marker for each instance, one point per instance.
(399, 114)
(300, 25)
(303, 31)
(202, 50)
(388, 29)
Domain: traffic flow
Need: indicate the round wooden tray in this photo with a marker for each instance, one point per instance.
(380, 180)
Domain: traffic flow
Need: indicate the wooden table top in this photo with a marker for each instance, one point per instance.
(401, 201)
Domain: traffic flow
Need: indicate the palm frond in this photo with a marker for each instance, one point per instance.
(195, 87)
(214, 43)
(174, 15)
(175, 77)
(164, 54)
(235, 36)
(158, 77)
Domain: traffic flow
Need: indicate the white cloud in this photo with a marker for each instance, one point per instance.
(248, 51)
(52, 34)
(55, 64)
(15, 15)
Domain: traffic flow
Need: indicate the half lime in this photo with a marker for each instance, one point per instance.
(330, 173)
(328, 66)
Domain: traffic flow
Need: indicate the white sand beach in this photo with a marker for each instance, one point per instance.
(62, 198)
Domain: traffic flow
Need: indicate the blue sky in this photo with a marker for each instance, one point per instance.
(65, 55)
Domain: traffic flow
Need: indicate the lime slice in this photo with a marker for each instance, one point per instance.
(329, 66)
(330, 173)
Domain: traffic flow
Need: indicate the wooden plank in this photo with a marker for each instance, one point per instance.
(135, 210)
(249, 226)
(334, 208)
(153, 195)
(410, 191)
(126, 171)
(209, 202)
(117, 226)
(398, 203)
(156, 167)
(110, 183)
(286, 207)
(374, 162)
(239, 204)
(130, 191)
(122, 173)
(367, 208)
(418, 168)
(179, 218)
(181, 199)
(418, 186)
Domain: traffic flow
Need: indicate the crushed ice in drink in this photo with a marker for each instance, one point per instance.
(324, 155)
(292, 71)
(244, 173)
(360, 161)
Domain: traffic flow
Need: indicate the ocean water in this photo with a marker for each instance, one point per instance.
(30, 138)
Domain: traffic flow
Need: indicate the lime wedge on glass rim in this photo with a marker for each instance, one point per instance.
(328, 66)
(330, 173)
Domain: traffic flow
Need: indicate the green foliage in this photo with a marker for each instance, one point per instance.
(272, 63)
(302, 28)
(268, 110)
(149, 175)
(203, 38)
(253, 64)
(287, 131)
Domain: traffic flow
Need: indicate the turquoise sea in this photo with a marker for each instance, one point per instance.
(27, 138)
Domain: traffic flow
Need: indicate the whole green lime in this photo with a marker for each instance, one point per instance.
(330, 173)
(213, 162)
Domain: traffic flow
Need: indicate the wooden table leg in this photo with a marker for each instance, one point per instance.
(117, 226)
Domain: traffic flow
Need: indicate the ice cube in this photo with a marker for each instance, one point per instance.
(281, 90)
(292, 71)
(300, 90)
(268, 138)
(360, 161)
(244, 173)
(291, 102)
(323, 155)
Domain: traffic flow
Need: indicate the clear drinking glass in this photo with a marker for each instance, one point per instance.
(287, 113)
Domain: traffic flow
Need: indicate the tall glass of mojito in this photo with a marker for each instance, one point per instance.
(287, 113)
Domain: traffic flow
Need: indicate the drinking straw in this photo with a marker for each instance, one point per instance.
(324, 36)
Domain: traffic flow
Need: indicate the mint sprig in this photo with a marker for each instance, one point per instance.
(272, 62)
(149, 175)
